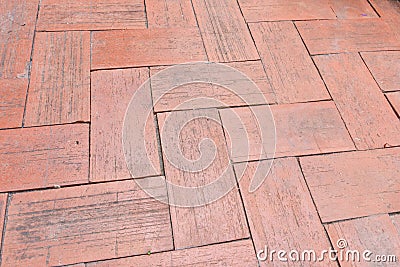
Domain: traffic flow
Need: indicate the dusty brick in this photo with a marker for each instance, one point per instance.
(59, 90)
(271, 10)
(220, 221)
(174, 98)
(335, 36)
(354, 184)
(364, 109)
(385, 67)
(44, 156)
(239, 253)
(146, 47)
(12, 102)
(288, 66)
(281, 213)
(3, 206)
(170, 14)
(66, 15)
(394, 99)
(396, 221)
(301, 129)
(375, 233)
(345, 9)
(224, 31)
(85, 223)
(112, 91)
(17, 26)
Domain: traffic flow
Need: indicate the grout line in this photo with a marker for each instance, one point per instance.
(46, 125)
(370, 72)
(30, 64)
(315, 205)
(373, 8)
(8, 202)
(392, 106)
(145, 14)
(198, 27)
(90, 110)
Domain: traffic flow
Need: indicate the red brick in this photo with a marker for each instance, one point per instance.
(174, 98)
(59, 90)
(12, 102)
(224, 31)
(239, 253)
(16, 35)
(112, 91)
(376, 234)
(270, 10)
(364, 109)
(394, 99)
(345, 9)
(44, 156)
(85, 223)
(281, 213)
(3, 206)
(354, 184)
(170, 14)
(387, 9)
(335, 36)
(301, 129)
(288, 66)
(396, 221)
(221, 220)
(385, 67)
(65, 15)
(147, 47)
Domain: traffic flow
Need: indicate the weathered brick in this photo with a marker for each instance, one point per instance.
(59, 90)
(12, 102)
(174, 99)
(146, 47)
(224, 31)
(281, 212)
(44, 156)
(3, 207)
(289, 69)
(85, 223)
(335, 36)
(66, 15)
(375, 233)
(112, 91)
(170, 14)
(301, 129)
(394, 99)
(364, 109)
(239, 253)
(218, 221)
(354, 184)
(385, 67)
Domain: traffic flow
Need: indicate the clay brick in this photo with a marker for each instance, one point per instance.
(170, 14)
(12, 102)
(220, 221)
(59, 90)
(66, 15)
(239, 253)
(301, 129)
(224, 31)
(354, 184)
(85, 223)
(146, 47)
(44, 156)
(375, 233)
(287, 64)
(281, 213)
(394, 99)
(270, 10)
(387, 9)
(335, 36)
(396, 221)
(174, 98)
(345, 9)
(17, 26)
(112, 91)
(385, 67)
(3, 206)
(367, 114)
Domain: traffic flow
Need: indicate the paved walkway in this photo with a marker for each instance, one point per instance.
(329, 70)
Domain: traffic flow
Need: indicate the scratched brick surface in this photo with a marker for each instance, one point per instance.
(59, 90)
(170, 14)
(66, 15)
(44, 156)
(12, 102)
(86, 223)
